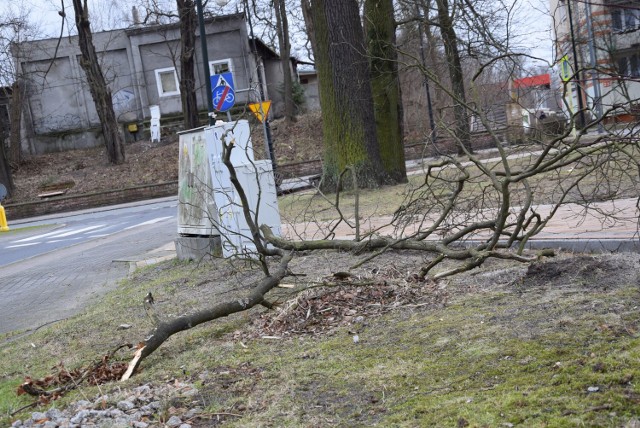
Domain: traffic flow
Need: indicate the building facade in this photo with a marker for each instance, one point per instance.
(603, 39)
(141, 66)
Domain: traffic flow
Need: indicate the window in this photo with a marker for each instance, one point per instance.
(219, 67)
(625, 18)
(629, 65)
(167, 81)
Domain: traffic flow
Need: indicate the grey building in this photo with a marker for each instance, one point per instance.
(141, 66)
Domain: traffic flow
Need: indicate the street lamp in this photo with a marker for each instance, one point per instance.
(205, 56)
(205, 61)
(575, 65)
(265, 122)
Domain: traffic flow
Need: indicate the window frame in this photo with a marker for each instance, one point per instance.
(227, 61)
(628, 64)
(623, 19)
(161, 92)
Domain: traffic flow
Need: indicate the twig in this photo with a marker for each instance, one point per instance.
(25, 407)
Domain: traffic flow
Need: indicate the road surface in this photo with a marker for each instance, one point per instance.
(52, 272)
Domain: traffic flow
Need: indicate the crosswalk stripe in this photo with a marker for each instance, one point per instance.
(57, 234)
(152, 221)
(74, 232)
(22, 245)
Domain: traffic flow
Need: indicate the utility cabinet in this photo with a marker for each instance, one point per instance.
(210, 213)
(196, 206)
(255, 177)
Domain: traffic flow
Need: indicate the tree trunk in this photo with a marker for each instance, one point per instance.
(166, 329)
(187, 14)
(97, 86)
(307, 14)
(349, 132)
(15, 137)
(454, 65)
(385, 84)
(282, 27)
(5, 171)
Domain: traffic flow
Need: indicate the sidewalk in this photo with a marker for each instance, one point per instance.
(570, 229)
(606, 226)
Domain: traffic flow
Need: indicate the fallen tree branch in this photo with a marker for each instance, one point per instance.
(169, 327)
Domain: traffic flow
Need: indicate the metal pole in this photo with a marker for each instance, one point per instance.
(595, 77)
(577, 70)
(432, 122)
(205, 62)
(267, 128)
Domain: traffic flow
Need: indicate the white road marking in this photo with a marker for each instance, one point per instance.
(152, 221)
(33, 238)
(74, 232)
(57, 234)
(22, 245)
(63, 240)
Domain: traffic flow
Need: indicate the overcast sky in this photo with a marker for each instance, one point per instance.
(533, 14)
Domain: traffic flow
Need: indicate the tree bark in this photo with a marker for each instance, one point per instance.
(5, 171)
(385, 85)
(349, 132)
(188, 21)
(97, 86)
(454, 65)
(282, 27)
(15, 137)
(307, 14)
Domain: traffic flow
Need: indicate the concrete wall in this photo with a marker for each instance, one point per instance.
(309, 81)
(275, 85)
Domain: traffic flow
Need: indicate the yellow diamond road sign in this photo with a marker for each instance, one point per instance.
(261, 110)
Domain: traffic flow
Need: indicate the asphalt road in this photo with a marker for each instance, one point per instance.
(52, 272)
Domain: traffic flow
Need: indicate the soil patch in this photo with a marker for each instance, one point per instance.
(76, 172)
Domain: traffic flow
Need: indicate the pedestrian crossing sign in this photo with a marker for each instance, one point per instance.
(565, 69)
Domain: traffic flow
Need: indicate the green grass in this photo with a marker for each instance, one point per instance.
(523, 354)
(17, 230)
(615, 178)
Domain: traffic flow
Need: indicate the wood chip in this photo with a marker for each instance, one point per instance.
(281, 285)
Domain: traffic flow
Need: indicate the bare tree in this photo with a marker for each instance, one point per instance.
(380, 31)
(282, 26)
(100, 92)
(187, 16)
(349, 131)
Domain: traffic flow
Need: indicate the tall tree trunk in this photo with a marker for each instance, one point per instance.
(187, 14)
(349, 132)
(282, 26)
(454, 65)
(307, 14)
(385, 84)
(5, 171)
(15, 119)
(97, 86)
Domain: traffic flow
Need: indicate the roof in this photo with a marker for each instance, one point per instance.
(150, 28)
(265, 51)
(527, 82)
